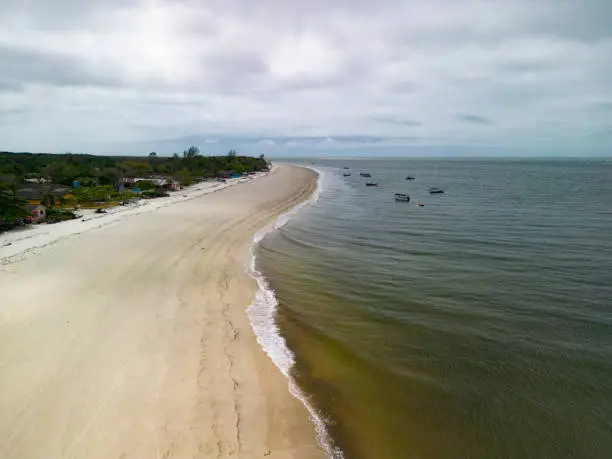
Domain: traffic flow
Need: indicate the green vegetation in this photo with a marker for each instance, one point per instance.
(90, 171)
(12, 207)
(101, 178)
(59, 215)
(145, 185)
(184, 177)
(150, 194)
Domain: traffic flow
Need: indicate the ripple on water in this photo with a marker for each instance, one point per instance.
(477, 326)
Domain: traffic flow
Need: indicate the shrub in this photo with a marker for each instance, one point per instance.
(150, 194)
(59, 215)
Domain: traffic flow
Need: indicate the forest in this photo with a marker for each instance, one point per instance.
(90, 170)
(103, 176)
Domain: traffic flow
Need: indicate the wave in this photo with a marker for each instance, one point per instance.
(262, 315)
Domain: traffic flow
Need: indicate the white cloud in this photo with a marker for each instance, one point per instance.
(118, 76)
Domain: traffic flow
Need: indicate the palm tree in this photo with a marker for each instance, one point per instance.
(152, 158)
(191, 152)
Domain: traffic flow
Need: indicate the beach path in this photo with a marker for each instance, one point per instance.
(132, 341)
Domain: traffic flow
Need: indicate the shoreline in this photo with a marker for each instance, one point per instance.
(151, 353)
(262, 314)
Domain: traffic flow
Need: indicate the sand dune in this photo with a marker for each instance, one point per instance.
(131, 340)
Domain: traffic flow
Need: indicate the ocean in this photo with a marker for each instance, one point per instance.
(478, 325)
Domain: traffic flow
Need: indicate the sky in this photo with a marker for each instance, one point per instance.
(315, 77)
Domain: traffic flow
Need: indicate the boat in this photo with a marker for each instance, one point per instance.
(346, 174)
(365, 174)
(346, 167)
(401, 197)
(371, 184)
(436, 191)
(410, 177)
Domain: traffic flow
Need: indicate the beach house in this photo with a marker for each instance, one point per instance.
(36, 194)
(160, 183)
(37, 213)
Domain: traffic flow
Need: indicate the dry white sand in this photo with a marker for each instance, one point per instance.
(131, 340)
(22, 242)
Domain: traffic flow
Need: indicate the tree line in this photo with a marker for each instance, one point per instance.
(90, 170)
(100, 176)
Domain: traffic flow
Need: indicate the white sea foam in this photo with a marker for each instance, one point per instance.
(262, 314)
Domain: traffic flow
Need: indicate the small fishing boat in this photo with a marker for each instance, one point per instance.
(346, 174)
(410, 177)
(365, 174)
(372, 184)
(346, 167)
(436, 191)
(401, 197)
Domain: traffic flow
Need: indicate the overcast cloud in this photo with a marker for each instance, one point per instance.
(352, 76)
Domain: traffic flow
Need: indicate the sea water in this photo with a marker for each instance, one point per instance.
(476, 326)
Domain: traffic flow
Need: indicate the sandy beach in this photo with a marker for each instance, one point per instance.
(130, 339)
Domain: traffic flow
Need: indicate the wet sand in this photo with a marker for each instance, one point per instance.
(131, 340)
